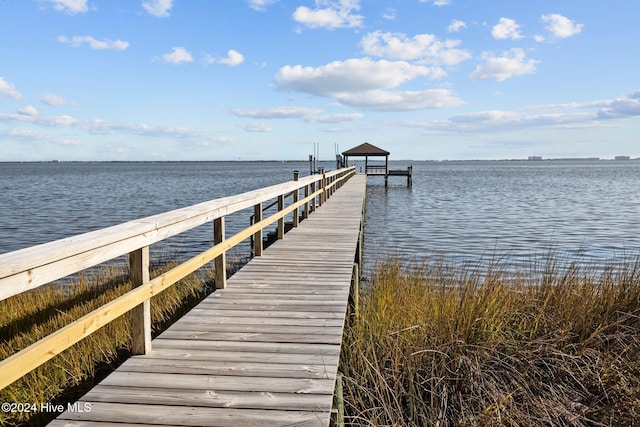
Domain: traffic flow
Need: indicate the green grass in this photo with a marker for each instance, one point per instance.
(445, 346)
(30, 316)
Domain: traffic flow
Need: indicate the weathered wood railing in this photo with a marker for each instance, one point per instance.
(30, 268)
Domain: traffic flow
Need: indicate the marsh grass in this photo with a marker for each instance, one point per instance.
(30, 316)
(437, 345)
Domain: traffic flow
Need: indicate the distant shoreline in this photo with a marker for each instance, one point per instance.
(529, 160)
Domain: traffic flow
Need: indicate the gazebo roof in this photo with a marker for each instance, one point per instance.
(365, 149)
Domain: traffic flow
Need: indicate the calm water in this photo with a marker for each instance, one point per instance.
(466, 212)
(472, 212)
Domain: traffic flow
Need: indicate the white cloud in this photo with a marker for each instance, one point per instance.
(494, 116)
(456, 26)
(330, 14)
(334, 118)
(255, 127)
(362, 83)
(50, 121)
(437, 2)
(261, 5)
(379, 100)
(568, 116)
(177, 55)
(277, 112)
(539, 38)
(77, 41)
(561, 26)
(506, 29)
(499, 120)
(8, 90)
(389, 14)
(51, 99)
(158, 8)
(104, 127)
(233, 59)
(29, 110)
(511, 64)
(625, 106)
(34, 137)
(312, 115)
(69, 6)
(425, 47)
(350, 76)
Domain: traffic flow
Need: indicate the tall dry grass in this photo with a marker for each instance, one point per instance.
(442, 346)
(30, 316)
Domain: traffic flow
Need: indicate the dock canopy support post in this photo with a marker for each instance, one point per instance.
(221, 260)
(141, 314)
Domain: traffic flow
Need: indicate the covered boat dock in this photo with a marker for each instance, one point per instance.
(367, 150)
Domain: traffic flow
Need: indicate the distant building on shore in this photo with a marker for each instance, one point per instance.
(536, 158)
(622, 158)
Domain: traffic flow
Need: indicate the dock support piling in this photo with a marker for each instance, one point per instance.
(354, 294)
(337, 412)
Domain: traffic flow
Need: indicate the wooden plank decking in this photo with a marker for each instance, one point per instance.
(262, 352)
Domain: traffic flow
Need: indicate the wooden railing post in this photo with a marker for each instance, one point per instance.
(313, 201)
(281, 220)
(257, 237)
(305, 212)
(323, 183)
(296, 195)
(332, 184)
(140, 315)
(221, 260)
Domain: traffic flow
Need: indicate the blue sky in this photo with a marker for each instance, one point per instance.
(266, 79)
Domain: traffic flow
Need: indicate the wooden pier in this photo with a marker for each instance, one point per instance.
(261, 351)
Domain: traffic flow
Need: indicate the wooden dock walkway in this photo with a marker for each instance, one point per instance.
(264, 351)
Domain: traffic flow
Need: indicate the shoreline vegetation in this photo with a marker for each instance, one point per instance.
(447, 346)
(433, 344)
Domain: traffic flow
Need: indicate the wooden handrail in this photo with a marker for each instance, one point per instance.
(129, 238)
(32, 267)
